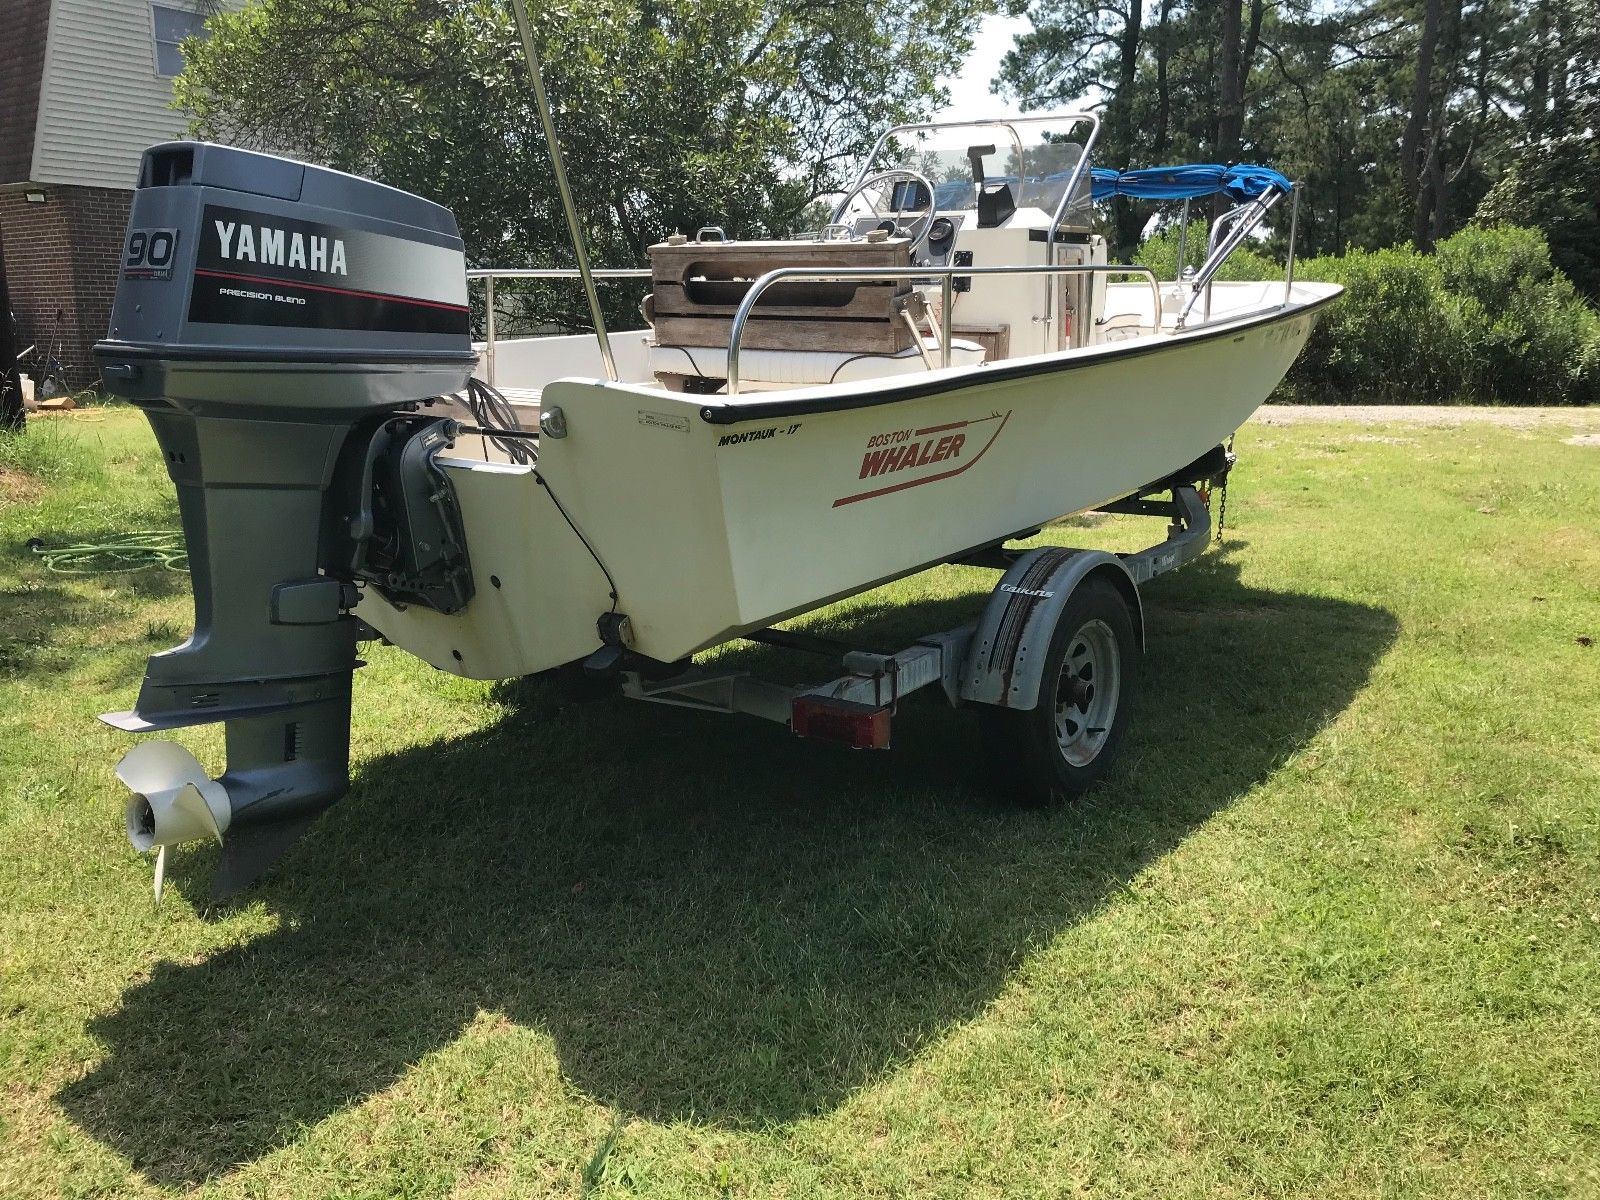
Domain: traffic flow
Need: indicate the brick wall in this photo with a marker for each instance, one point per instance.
(63, 255)
(21, 66)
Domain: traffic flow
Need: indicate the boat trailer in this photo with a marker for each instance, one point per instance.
(998, 660)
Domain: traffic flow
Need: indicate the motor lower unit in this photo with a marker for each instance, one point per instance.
(282, 325)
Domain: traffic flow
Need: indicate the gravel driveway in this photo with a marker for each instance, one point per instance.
(1439, 416)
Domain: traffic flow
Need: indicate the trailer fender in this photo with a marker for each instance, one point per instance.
(1005, 660)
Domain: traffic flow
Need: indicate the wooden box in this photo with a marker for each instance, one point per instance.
(995, 339)
(698, 286)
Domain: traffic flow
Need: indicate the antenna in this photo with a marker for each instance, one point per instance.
(573, 227)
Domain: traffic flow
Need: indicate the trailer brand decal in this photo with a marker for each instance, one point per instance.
(253, 268)
(758, 435)
(1007, 648)
(897, 450)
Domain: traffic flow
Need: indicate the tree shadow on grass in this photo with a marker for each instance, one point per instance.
(34, 612)
(710, 919)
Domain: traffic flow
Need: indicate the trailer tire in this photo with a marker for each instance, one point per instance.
(1051, 752)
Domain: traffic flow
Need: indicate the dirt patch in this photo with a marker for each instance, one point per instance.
(1436, 416)
(1585, 439)
(17, 488)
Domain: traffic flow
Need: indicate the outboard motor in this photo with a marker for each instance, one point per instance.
(281, 324)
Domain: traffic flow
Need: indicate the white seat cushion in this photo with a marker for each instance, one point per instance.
(797, 368)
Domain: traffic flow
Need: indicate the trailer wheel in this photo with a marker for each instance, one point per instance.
(1066, 743)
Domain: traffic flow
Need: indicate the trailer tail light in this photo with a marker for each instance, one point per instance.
(859, 726)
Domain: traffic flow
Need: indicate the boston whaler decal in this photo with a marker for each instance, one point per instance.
(896, 451)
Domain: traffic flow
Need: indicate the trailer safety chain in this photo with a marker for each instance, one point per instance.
(1222, 504)
(137, 551)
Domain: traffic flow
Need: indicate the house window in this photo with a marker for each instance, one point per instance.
(172, 25)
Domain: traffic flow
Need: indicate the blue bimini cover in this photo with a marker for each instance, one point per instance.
(1239, 183)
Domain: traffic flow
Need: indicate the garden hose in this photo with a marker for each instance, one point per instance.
(136, 551)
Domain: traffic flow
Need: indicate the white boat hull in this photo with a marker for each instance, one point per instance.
(715, 517)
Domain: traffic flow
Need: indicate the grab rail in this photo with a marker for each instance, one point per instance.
(946, 277)
(490, 274)
(1227, 234)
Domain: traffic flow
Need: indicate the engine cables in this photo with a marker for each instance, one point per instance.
(497, 421)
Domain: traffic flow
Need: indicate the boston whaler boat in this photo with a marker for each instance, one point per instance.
(950, 364)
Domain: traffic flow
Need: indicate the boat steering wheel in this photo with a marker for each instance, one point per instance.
(920, 224)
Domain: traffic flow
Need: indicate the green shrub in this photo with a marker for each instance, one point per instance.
(1529, 336)
(1388, 339)
(1160, 254)
(1554, 186)
(1485, 319)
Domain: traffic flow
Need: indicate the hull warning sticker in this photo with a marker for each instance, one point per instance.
(656, 420)
(905, 455)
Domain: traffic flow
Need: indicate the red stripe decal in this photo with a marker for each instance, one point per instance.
(318, 287)
(911, 483)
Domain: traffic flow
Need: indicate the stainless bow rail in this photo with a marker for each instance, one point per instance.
(946, 277)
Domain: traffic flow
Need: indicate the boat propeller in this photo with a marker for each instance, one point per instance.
(173, 801)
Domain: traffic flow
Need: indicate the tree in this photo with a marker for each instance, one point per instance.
(1074, 48)
(1398, 115)
(673, 113)
(1555, 187)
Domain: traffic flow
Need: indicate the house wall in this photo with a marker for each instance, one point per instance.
(62, 256)
(101, 102)
(21, 66)
(96, 104)
(80, 102)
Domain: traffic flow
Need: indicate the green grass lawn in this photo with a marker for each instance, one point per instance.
(1333, 930)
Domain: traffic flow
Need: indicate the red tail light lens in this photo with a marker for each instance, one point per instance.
(857, 725)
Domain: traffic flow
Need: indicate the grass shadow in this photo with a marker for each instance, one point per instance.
(34, 613)
(709, 919)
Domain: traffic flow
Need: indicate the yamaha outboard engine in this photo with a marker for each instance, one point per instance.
(280, 325)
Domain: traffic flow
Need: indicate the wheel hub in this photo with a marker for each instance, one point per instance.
(1087, 693)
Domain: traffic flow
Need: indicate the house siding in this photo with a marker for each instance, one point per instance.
(101, 102)
(27, 22)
